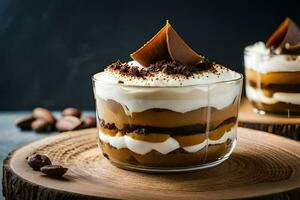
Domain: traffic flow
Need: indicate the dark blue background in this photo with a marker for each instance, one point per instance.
(50, 49)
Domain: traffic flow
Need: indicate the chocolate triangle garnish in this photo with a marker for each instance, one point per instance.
(179, 50)
(286, 36)
(154, 50)
(166, 45)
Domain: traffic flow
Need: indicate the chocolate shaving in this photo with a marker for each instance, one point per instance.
(173, 67)
(125, 69)
(164, 66)
(107, 125)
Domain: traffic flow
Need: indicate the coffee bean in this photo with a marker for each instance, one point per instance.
(89, 122)
(68, 123)
(25, 123)
(43, 113)
(71, 112)
(55, 171)
(40, 125)
(36, 161)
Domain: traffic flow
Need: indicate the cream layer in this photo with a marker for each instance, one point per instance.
(258, 96)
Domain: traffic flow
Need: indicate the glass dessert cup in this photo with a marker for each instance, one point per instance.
(167, 129)
(273, 82)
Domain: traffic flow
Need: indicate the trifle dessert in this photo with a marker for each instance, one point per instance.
(169, 109)
(273, 71)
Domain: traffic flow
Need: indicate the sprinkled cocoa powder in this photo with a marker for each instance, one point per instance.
(167, 67)
(125, 69)
(172, 67)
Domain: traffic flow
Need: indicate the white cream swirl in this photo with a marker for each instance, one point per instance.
(259, 58)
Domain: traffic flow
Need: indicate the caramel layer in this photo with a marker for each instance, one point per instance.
(112, 112)
(183, 140)
(178, 158)
(276, 78)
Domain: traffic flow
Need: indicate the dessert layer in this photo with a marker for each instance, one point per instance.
(143, 144)
(273, 77)
(269, 90)
(259, 58)
(176, 158)
(112, 112)
(280, 107)
(183, 139)
(174, 131)
(277, 97)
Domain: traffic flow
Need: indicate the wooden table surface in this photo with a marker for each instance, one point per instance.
(262, 165)
(11, 137)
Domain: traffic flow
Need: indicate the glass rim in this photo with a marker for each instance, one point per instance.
(240, 77)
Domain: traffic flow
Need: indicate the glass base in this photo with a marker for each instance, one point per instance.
(171, 169)
(174, 169)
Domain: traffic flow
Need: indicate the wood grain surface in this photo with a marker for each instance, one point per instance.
(262, 166)
(283, 125)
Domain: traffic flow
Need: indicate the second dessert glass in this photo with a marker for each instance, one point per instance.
(167, 129)
(272, 80)
(273, 71)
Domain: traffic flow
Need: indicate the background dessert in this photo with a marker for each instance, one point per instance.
(171, 111)
(273, 71)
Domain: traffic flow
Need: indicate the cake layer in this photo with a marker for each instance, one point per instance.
(166, 143)
(280, 78)
(113, 113)
(176, 158)
(257, 95)
(181, 130)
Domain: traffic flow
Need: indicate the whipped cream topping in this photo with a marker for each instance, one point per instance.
(259, 58)
(169, 145)
(160, 79)
(258, 96)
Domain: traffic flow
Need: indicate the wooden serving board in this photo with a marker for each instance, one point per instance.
(262, 166)
(277, 124)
